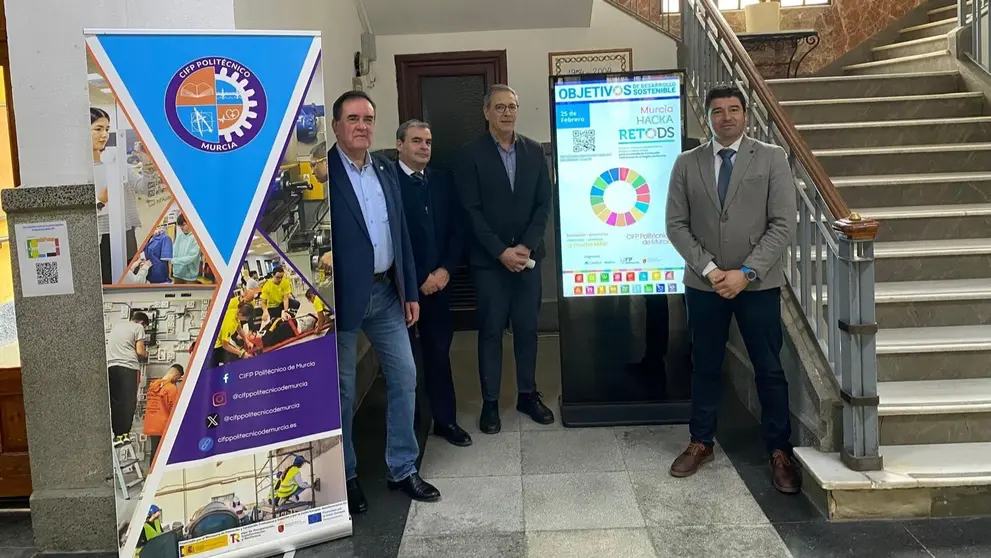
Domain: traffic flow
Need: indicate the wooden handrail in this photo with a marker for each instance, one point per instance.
(847, 223)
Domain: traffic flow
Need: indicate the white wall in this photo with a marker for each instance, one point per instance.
(526, 58)
(337, 20)
(48, 73)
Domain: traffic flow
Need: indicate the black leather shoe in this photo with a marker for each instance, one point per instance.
(530, 404)
(453, 434)
(416, 488)
(489, 422)
(356, 498)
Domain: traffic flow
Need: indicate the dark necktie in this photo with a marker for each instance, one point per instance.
(725, 172)
(421, 181)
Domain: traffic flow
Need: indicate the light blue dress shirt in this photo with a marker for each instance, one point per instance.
(508, 160)
(374, 208)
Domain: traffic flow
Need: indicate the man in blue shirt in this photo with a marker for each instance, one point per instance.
(506, 190)
(375, 290)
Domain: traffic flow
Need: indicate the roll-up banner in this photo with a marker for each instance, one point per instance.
(218, 291)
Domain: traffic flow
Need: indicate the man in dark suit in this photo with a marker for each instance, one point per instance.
(434, 219)
(731, 214)
(375, 289)
(506, 190)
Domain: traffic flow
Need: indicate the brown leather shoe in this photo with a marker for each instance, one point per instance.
(784, 473)
(689, 462)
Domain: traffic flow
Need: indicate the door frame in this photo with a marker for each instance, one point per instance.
(409, 66)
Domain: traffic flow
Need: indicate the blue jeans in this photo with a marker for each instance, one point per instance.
(385, 326)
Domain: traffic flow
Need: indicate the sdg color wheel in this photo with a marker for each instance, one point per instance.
(620, 197)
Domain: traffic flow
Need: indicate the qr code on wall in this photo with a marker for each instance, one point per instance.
(583, 140)
(46, 272)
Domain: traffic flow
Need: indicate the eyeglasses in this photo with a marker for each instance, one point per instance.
(511, 109)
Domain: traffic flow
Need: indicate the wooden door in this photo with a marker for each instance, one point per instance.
(446, 90)
(15, 470)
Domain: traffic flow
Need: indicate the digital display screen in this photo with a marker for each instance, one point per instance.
(617, 138)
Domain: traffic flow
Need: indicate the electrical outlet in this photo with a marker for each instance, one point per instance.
(163, 304)
(108, 307)
(125, 312)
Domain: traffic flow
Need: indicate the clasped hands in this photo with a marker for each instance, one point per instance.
(436, 281)
(515, 258)
(728, 284)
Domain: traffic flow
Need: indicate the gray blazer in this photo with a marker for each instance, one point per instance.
(753, 229)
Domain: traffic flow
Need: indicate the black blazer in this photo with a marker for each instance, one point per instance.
(500, 216)
(435, 221)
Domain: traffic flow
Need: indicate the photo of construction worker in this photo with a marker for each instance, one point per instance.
(170, 255)
(151, 528)
(240, 491)
(150, 334)
(163, 394)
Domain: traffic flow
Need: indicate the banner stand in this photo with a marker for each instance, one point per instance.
(218, 296)
(623, 333)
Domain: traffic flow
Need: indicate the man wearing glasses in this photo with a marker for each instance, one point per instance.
(506, 189)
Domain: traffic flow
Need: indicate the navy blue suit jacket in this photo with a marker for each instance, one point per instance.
(435, 220)
(501, 216)
(354, 266)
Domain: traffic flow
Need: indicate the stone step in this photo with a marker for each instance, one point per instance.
(935, 411)
(931, 222)
(873, 109)
(935, 397)
(891, 85)
(928, 62)
(953, 302)
(930, 29)
(925, 45)
(930, 260)
(955, 157)
(896, 132)
(933, 353)
(944, 12)
(919, 480)
(911, 189)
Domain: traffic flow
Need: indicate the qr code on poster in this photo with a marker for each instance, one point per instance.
(583, 140)
(47, 273)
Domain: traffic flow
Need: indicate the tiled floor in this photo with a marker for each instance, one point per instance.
(547, 491)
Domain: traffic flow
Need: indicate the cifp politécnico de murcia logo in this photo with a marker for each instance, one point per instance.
(215, 104)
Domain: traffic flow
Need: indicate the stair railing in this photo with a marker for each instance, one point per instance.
(830, 267)
(976, 16)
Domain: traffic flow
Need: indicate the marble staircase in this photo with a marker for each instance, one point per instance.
(908, 145)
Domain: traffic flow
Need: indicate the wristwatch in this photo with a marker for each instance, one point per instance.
(750, 274)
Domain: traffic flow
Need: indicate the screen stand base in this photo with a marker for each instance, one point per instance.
(577, 415)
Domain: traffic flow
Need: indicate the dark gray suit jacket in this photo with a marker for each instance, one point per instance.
(754, 227)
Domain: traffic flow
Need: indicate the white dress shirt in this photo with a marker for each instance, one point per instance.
(716, 148)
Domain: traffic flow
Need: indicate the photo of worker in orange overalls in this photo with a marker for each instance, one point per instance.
(163, 394)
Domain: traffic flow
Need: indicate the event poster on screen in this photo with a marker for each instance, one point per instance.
(617, 141)
(218, 301)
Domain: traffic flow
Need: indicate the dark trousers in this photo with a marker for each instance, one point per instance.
(155, 442)
(657, 329)
(514, 297)
(123, 398)
(130, 247)
(758, 314)
(436, 333)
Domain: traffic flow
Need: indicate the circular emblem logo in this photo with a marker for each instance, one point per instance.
(620, 197)
(215, 104)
